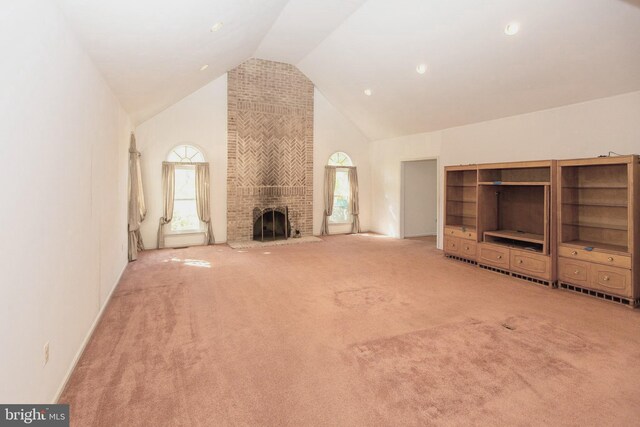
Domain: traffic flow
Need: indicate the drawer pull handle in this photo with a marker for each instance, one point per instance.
(519, 261)
(610, 259)
(451, 232)
(576, 272)
(574, 253)
(605, 278)
(499, 256)
(467, 248)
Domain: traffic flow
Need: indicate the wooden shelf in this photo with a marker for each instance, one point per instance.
(517, 235)
(596, 187)
(607, 205)
(462, 227)
(594, 225)
(607, 247)
(461, 185)
(519, 183)
(461, 201)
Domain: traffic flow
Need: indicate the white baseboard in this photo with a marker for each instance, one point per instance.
(78, 355)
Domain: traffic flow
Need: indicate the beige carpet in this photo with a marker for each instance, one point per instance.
(258, 244)
(351, 331)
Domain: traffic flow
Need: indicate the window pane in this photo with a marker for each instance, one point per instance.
(185, 154)
(185, 216)
(341, 205)
(185, 183)
(340, 159)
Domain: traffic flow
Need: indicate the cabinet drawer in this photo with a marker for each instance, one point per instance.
(456, 232)
(495, 255)
(531, 264)
(451, 245)
(573, 271)
(468, 249)
(611, 279)
(593, 256)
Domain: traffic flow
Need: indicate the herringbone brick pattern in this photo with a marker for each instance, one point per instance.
(270, 145)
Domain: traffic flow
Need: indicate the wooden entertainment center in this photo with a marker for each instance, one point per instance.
(568, 224)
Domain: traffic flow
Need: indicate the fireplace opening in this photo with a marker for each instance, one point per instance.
(271, 224)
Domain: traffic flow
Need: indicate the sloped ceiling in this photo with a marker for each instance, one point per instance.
(567, 51)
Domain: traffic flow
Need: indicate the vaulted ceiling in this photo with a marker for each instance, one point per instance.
(567, 51)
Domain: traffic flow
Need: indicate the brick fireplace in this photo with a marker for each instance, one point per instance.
(270, 146)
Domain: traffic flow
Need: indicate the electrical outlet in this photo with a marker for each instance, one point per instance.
(46, 353)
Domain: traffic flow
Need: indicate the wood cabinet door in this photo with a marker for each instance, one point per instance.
(612, 280)
(468, 249)
(531, 264)
(451, 245)
(573, 271)
(497, 256)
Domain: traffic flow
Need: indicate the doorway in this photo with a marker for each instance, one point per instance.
(419, 217)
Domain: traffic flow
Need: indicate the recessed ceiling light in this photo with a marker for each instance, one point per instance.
(204, 67)
(421, 69)
(512, 28)
(368, 92)
(216, 26)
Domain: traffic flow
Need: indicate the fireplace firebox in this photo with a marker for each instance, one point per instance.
(271, 224)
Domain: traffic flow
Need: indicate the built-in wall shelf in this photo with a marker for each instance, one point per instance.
(519, 183)
(596, 187)
(604, 204)
(596, 246)
(606, 226)
(462, 227)
(570, 223)
(597, 239)
(461, 211)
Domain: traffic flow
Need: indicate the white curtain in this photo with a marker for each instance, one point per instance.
(137, 208)
(168, 192)
(355, 205)
(203, 200)
(329, 190)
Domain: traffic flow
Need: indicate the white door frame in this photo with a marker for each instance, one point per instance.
(402, 209)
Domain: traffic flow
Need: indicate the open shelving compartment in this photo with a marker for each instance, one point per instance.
(595, 207)
(461, 198)
(515, 200)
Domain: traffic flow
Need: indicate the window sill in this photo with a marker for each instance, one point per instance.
(184, 232)
(340, 223)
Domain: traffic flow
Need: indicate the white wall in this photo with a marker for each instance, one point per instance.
(419, 198)
(581, 130)
(386, 158)
(63, 144)
(334, 132)
(200, 119)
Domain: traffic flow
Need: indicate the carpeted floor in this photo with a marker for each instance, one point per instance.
(352, 331)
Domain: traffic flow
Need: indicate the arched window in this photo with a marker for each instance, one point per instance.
(185, 212)
(185, 154)
(342, 196)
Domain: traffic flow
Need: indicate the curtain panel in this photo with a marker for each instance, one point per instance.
(329, 190)
(136, 208)
(168, 192)
(203, 200)
(355, 204)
